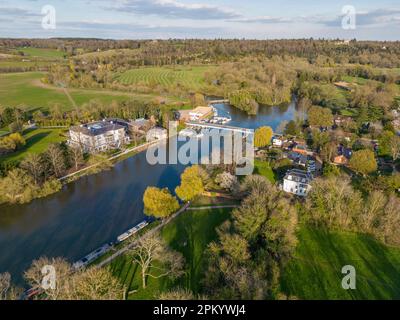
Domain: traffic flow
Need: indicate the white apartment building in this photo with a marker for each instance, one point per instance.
(98, 136)
(297, 182)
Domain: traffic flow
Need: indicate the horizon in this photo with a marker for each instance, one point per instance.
(198, 19)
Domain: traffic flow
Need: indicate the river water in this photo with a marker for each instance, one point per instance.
(94, 210)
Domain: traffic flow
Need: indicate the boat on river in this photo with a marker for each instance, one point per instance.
(92, 256)
(132, 231)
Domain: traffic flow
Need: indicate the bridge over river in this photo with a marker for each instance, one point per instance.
(204, 125)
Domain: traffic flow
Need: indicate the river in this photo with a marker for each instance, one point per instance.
(96, 209)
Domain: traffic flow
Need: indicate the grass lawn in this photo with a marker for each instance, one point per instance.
(315, 272)
(22, 90)
(25, 91)
(189, 234)
(37, 141)
(42, 53)
(190, 77)
(357, 80)
(264, 169)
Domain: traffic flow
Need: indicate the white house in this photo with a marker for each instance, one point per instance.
(297, 182)
(98, 136)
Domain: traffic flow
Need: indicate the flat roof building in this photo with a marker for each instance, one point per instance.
(297, 182)
(98, 136)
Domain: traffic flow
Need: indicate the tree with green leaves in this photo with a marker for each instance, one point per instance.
(263, 136)
(363, 161)
(319, 116)
(192, 184)
(159, 203)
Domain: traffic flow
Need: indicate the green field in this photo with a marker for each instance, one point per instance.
(189, 77)
(37, 141)
(264, 169)
(41, 53)
(189, 234)
(25, 90)
(315, 272)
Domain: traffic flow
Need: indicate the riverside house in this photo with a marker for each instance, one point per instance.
(98, 136)
(297, 182)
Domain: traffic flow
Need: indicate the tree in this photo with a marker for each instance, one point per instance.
(159, 202)
(18, 139)
(243, 100)
(292, 128)
(56, 159)
(17, 187)
(94, 284)
(16, 127)
(395, 147)
(263, 136)
(33, 164)
(63, 270)
(328, 151)
(7, 290)
(332, 202)
(191, 184)
(76, 156)
(363, 161)
(385, 140)
(156, 260)
(177, 294)
(227, 181)
(319, 116)
(246, 260)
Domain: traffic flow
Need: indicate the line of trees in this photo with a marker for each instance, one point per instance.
(90, 284)
(37, 175)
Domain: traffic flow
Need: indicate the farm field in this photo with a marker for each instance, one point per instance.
(189, 234)
(41, 53)
(24, 90)
(319, 259)
(37, 141)
(189, 77)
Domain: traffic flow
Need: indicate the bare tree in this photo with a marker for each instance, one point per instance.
(395, 147)
(33, 164)
(40, 268)
(56, 159)
(7, 290)
(152, 249)
(76, 156)
(94, 284)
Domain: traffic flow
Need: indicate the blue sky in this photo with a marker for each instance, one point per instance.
(162, 19)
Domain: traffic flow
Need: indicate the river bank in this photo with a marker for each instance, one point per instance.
(96, 209)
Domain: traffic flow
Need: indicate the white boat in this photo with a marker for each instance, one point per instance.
(132, 231)
(91, 257)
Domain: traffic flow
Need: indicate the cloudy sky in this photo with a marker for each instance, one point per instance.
(255, 19)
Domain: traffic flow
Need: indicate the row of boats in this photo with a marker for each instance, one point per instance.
(108, 246)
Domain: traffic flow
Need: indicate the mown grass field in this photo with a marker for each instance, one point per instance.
(37, 141)
(25, 91)
(315, 271)
(189, 234)
(190, 77)
(41, 53)
(264, 169)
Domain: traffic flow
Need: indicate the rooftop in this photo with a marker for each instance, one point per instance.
(298, 176)
(97, 128)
